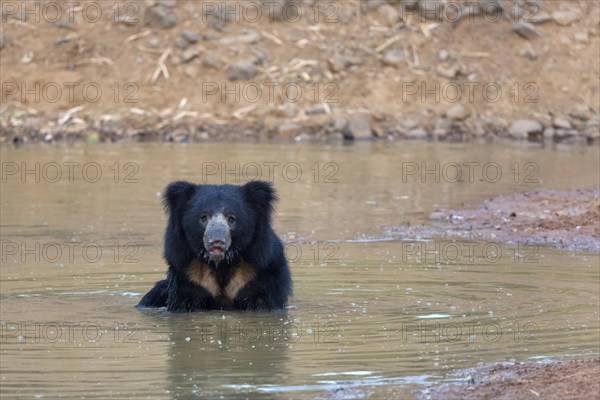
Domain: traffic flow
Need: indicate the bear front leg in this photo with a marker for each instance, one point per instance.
(185, 296)
(260, 295)
(157, 297)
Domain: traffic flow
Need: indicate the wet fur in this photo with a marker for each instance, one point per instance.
(254, 274)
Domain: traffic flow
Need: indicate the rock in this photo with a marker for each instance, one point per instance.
(372, 5)
(458, 112)
(411, 4)
(431, 8)
(565, 17)
(2, 41)
(242, 70)
(582, 37)
(163, 16)
(539, 18)
(279, 10)
(394, 58)
(525, 30)
(249, 36)
(592, 128)
(409, 124)
(389, 14)
(288, 129)
(549, 133)
(561, 123)
(190, 36)
(189, 54)
(443, 55)
(448, 72)
(492, 8)
(544, 119)
(260, 56)
(359, 128)
(337, 63)
(529, 53)
(168, 3)
(153, 43)
(443, 124)
(565, 133)
(211, 60)
(317, 109)
(417, 133)
(438, 216)
(581, 112)
(27, 57)
(338, 124)
(191, 71)
(525, 128)
(181, 43)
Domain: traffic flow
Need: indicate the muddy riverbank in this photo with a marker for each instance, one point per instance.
(568, 220)
(552, 381)
(300, 70)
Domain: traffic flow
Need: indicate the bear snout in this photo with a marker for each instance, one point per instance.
(217, 238)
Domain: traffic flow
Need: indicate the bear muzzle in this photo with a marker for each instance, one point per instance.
(217, 238)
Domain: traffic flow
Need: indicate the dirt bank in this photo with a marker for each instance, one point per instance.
(560, 381)
(567, 220)
(447, 70)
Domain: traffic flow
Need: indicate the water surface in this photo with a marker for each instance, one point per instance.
(372, 315)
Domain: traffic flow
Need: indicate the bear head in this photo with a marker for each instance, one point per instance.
(216, 223)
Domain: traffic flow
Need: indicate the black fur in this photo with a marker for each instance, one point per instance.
(253, 242)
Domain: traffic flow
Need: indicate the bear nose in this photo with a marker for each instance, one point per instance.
(217, 243)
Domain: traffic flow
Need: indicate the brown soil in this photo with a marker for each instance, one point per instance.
(152, 83)
(560, 381)
(562, 219)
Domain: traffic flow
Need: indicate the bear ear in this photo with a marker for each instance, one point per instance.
(261, 194)
(177, 193)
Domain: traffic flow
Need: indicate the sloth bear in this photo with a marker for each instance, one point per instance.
(221, 249)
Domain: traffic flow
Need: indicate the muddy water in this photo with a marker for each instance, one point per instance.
(372, 316)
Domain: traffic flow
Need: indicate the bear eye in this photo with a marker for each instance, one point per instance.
(231, 219)
(204, 219)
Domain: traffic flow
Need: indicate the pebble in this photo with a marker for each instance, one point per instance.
(561, 123)
(337, 63)
(189, 54)
(529, 53)
(153, 43)
(359, 128)
(190, 36)
(242, 70)
(338, 124)
(458, 112)
(582, 37)
(409, 124)
(181, 43)
(249, 36)
(163, 16)
(389, 14)
(565, 17)
(448, 72)
(581, 112)
(438, 216)
(317, 109)
(288, 129)
(394, 58)
(539, 18)
(213, 61)
(443, 55)
(525, 30)
(524, 128)
(417, 133)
